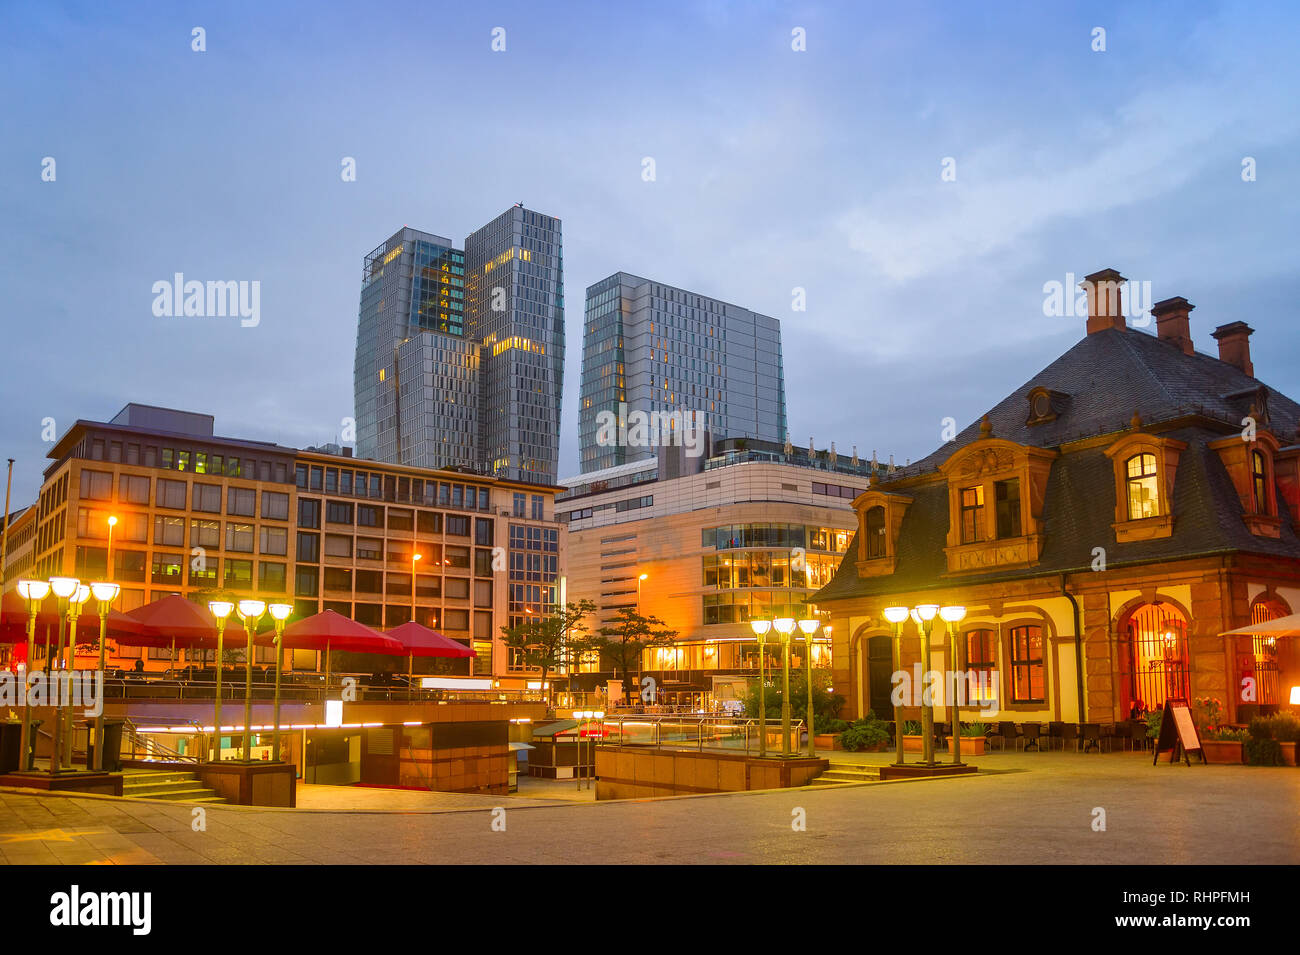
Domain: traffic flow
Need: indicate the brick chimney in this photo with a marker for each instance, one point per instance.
(1173, 323)
(1104, 304)
(1234, 345)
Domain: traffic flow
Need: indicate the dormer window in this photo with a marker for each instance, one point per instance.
(972, 514)
(875, 531)
(1143, 487)
(1259, 481)
(1145, 469)
(1044, 405)
(1008, 508)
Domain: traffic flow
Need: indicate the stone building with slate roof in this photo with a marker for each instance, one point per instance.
(1103, 525)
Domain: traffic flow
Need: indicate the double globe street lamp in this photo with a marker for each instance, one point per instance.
(924, 615)
(785, 628)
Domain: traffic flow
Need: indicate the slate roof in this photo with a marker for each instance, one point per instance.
(1104, 379)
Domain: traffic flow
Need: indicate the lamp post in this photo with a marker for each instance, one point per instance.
(785, 626)
(923, 616)
(75, 603)
(34, 592)
(72, 593)
(221, 609)
(105, 593)
(639, 581)
(251, 613)
(896, 616)
(809, 626)
(280, 614)
(761, 629)
(415, 556)
(953, 615)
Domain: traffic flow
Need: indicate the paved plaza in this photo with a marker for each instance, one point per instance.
(1030, 808)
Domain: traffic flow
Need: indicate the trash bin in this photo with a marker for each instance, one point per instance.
(112, 746)
(11, 734)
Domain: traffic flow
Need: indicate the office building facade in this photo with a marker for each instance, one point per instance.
(199, 514)
(651, 348)
(460, 353)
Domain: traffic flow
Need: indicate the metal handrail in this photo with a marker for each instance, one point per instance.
(150, 746)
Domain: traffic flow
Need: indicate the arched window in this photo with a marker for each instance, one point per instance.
(1153, 658)
(981, 658)
(1143, 491)
(876, 532)
(1259, 479)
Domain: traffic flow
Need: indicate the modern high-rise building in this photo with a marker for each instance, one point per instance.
(652, 348)
(460, 353)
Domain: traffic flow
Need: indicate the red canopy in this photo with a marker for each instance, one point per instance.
(14, 616)
(328, 631)
(418, 640)
(189, 624)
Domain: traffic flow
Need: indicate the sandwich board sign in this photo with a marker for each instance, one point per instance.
(1178, 734)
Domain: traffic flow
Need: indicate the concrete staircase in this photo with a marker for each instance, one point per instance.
(178, 784)
(840, 773)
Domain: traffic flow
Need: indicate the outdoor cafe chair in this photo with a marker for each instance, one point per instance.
(1092, 737)
(1033, 733)
(1006, 732)
(1054, 731)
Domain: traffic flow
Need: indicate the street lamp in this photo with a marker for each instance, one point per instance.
(923, 616)
(72, 593)
(415, 556)
(34, 592)
(809, 626)
(953, 615)
(105, 593)
(280, 613)
(640, 580)
(761, 629)
(251, 613)
(896, 616)
(785, 626)
(221, 609)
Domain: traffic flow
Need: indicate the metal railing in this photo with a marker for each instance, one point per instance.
(145, 747)
(696, 732)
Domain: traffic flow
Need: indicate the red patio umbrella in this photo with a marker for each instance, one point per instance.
(14, 616)
(177, 622)
(417, 640)
(326, 631)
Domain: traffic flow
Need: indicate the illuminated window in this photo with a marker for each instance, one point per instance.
(972, 514)
(1143, 492)
(1027, 672)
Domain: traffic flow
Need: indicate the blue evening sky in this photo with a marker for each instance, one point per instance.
(776, 169)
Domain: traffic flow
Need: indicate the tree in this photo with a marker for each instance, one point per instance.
(623, 642)
(543, 642)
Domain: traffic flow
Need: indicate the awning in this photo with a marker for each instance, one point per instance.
(1281, 627)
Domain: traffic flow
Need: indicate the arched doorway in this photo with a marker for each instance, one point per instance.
(1153, 659)
(1262, 663)
(880, 672)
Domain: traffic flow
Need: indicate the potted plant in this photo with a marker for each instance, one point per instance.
(868, 734)
(1260, 747)
(1224, 744)
(913, 741)
(972, 738)
(830, 731)
(1286, 730)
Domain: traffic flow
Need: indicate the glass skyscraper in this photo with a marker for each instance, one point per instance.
(460, 354)
(651, 347)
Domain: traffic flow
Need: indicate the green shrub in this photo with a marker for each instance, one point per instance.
(1154, 719)
(1226, 734)
(1286, 728)
(912, 728)
(974, 729)
(1263, 752)
(865, 733)
(1261, 727)
(828, 724)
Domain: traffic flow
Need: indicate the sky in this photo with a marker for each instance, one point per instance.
(776, 169)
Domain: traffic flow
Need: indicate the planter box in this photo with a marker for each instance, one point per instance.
(829, 741)
(913, 744)
(1223, 751)
(970, 745)
(1288, 753)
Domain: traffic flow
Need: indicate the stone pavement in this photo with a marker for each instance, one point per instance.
(1040, 809)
